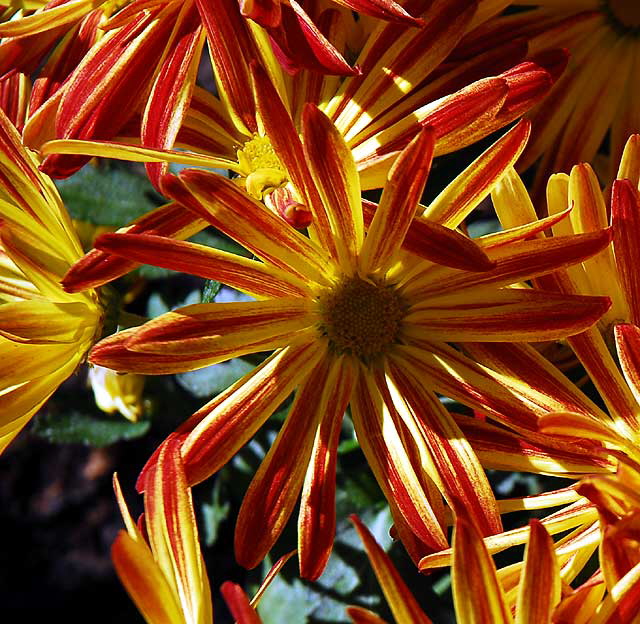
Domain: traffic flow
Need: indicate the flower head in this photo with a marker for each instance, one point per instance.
(45, 332)
(354, 320)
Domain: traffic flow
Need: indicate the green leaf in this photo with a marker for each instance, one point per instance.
(214, 513)
(210, 291)
(78, 428)
(212, 380)
(107, 196)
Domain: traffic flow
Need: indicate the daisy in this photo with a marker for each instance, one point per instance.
(354, 321)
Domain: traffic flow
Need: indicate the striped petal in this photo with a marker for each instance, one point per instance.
(477, 594)
(539, 591)
(499, 449)
(250, 223)
(99, 267)
(625, 216)
(277, 483)
(229, 421)
(172, 87)
(463, 194)
(334, 172)
(224, 328)
(383, 446)
(287, 144)
(446, 453)
(402, 603)
(628, 346)
(516, 315)
(173, 535)
(255, 278)
(400, 197)
(317, 518)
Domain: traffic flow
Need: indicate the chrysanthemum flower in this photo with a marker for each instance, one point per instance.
(116, 92)
(45, 332)
(478, 595)
(354, 321)
(597, 93)
(266, 160)
(604, 444)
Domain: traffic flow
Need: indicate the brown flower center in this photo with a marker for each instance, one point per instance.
(624, 15)
(361, 317)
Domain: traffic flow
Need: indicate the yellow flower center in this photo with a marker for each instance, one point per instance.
(361, 317)
(261, 166)
(624, 15)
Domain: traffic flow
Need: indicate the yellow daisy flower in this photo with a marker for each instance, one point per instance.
(45, 332)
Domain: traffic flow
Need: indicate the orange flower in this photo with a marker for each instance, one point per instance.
(478, 595)
(573, 436)
(354, 320)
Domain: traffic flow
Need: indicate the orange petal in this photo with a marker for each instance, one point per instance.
(628, 345)
(402, 603)
(400, 197)
(477, 594)
(250, 276)
(277, 483)
(239, 604)
(317, 518)
(625, 216)
(395, 471)
(334, 172)
(98, 267)
(539, 591)
(230, 420)
(518, 315)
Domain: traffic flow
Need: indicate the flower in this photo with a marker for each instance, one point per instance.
(478, 594)
(597, 93)
(354, 320)
(159, 561)
(45, 332)
(575, 437)
(267, 159)
(117, 393)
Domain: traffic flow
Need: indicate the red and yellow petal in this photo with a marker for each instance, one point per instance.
(403, 605)
(277, 483)
(317, 518)
(400, 197)
(517, 315)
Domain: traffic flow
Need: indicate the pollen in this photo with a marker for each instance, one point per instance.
(261, 167)
(361, 317)
(258, 153)
(624, 15)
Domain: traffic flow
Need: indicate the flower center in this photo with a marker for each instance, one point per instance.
(361, 317)
(261, 166)
(624, 15)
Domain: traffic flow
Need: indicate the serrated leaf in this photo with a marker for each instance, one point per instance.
(102, 196)
(77, 428)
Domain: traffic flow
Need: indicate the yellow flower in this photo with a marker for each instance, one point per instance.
(45, 332)
(354, 320)
(115, 392)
